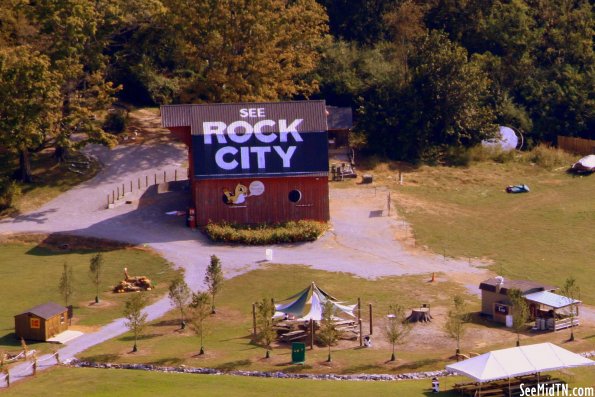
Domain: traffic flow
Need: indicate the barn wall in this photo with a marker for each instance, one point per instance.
(53, 326)
(23, 329)
(272, 206)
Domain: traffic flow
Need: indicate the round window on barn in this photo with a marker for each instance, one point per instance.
(295, 196)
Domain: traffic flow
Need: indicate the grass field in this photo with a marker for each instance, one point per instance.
(545, 235)
(228, 341)
(30, 276)
(67, 382)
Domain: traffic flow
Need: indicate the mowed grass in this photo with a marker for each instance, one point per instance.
(545, 235)
(228, 341)
(50, 179)
(30, 275)
(66, 382)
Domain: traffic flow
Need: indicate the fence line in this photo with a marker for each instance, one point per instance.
(576, 145)
(120, 191)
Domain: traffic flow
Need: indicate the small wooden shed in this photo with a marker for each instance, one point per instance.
(41, 322)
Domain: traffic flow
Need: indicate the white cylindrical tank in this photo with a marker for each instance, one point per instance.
(509, 320)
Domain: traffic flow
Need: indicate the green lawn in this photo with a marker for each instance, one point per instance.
(30, 276)
(545, 235)
(66, 382)
(228, 341)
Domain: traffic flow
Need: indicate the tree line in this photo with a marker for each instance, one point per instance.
(424, 76)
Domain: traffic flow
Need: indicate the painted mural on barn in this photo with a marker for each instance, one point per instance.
(237, 149)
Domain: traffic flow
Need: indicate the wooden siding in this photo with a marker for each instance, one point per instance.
(47, 328)
(576, 145)
(488, 299)
(272, 206)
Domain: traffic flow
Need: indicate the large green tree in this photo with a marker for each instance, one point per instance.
(74, 34)
(29, 102)
(248, 50)
(441, 105)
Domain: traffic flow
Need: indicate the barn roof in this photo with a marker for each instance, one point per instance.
(47, 310)
(525, 286)
(339, 118)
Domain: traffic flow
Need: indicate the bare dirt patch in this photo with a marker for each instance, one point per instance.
(145, 128)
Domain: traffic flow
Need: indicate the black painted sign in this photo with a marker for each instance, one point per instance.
(254, 144)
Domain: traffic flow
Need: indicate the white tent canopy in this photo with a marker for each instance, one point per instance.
(517, 361)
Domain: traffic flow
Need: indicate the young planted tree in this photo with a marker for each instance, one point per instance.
(214, 279)
(198, 313)
(95, 272)
(456, 321)
(327, 332)
(397, 327)
(137, 320)
(179, 295)
(265, 310)
(520, 312)
(66, 284)
(572, 292)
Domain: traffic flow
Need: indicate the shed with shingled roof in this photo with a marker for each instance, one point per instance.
(41, 322)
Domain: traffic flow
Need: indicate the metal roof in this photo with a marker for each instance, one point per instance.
(550, 299)
(312, 113)
(47, 310)
(525, 286)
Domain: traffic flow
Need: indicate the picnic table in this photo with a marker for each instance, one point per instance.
(293, 335)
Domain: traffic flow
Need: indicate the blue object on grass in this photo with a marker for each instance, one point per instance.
(517, 189)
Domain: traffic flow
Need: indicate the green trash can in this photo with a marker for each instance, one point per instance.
(298, 353)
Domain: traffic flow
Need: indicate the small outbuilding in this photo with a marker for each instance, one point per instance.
(495, 302)
(41, 322)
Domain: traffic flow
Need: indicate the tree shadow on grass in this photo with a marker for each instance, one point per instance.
(414, 366)
(168, 361)
(168, 323)
(102, 358)
(233, 365)
(130, 338)
(294, 369)
(360, 368)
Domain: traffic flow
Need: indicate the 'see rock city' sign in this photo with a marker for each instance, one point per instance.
(272, 139)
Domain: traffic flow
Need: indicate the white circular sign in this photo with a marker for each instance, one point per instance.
(256, 188)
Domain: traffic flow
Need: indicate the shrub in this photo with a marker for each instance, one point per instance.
(457, 157)
(10, 191)
(288, 232)
(548, 157)
(116, 121)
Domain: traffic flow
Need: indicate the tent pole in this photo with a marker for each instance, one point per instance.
(311, 334)
(371, 330)
(254, 320)
(359, 308)
(361, 341)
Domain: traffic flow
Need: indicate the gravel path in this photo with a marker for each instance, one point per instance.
(362, 241)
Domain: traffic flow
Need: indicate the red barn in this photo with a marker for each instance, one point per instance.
(255, 163)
